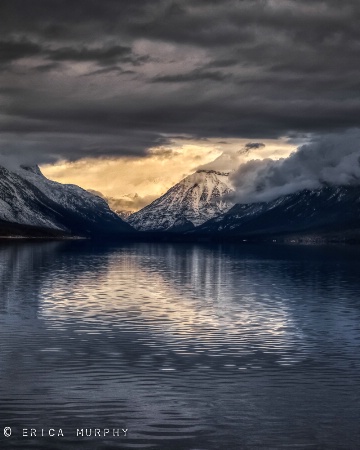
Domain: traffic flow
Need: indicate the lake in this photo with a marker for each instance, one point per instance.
(187, 347)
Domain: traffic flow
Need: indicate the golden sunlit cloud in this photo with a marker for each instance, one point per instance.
(138, 181)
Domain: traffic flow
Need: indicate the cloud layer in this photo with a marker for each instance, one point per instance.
(110, 78)
(326, 160)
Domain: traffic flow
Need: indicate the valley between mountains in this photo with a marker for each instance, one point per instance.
(199, 207)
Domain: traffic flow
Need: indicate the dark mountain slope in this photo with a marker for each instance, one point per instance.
(28, 199)
(328, 209)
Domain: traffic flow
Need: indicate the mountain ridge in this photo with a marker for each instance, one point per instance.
(28, 198)
(189, 203)
(326, 209)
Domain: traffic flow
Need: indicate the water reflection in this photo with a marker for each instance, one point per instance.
(189, 346)
(21, 275)
(202, 299)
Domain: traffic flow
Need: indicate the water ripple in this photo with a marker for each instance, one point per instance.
(188, 347)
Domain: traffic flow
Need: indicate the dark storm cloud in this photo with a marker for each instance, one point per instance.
(114, 69)
(135, 73)
(12, 50)
(102, 56)
(49, 147)
(249, 147)
(47, 67)
(325, 160)
(195, 75)
(254, 145)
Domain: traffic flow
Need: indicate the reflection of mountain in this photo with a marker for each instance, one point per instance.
(29, 203)
(211, 304)
(176, 338)
(209, 297)
(29, 272)
(250, 298)
(166, 290)
(23, 268)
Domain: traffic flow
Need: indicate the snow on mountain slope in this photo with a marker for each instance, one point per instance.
(329, 208)
(28, 198)
(191, 202)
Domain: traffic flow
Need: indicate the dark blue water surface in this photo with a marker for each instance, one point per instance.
(186, 346)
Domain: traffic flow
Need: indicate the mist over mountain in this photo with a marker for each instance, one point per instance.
(125, 205)
(324, 210)
(315, 187)
(327, 160)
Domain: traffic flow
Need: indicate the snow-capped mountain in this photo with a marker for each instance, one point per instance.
(329, 209)
(27, 198)
(191, 202)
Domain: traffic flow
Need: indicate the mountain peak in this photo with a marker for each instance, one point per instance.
(29, 200)
(327, 209)
(191, 202)
(33, 169)
(216, 172)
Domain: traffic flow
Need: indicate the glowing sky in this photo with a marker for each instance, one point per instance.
(151, 176)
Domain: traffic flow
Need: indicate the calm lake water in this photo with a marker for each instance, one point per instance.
(189, 347)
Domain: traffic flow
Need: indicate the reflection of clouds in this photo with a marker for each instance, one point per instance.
(153, 336)
(51, 374)
(189, 296)
(204, 298)
(213, 299)
(271, 298)
(26, 268)
(220, 301)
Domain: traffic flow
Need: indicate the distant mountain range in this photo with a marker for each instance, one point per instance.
(199, 206)
(331, 209)
(32, 205)
(122, 206)
(196, 207)
(191, 202)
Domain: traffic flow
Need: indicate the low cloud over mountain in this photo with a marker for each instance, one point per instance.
(333, 159)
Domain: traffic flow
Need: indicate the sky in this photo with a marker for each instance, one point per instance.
(150, 176)
(105, 88)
